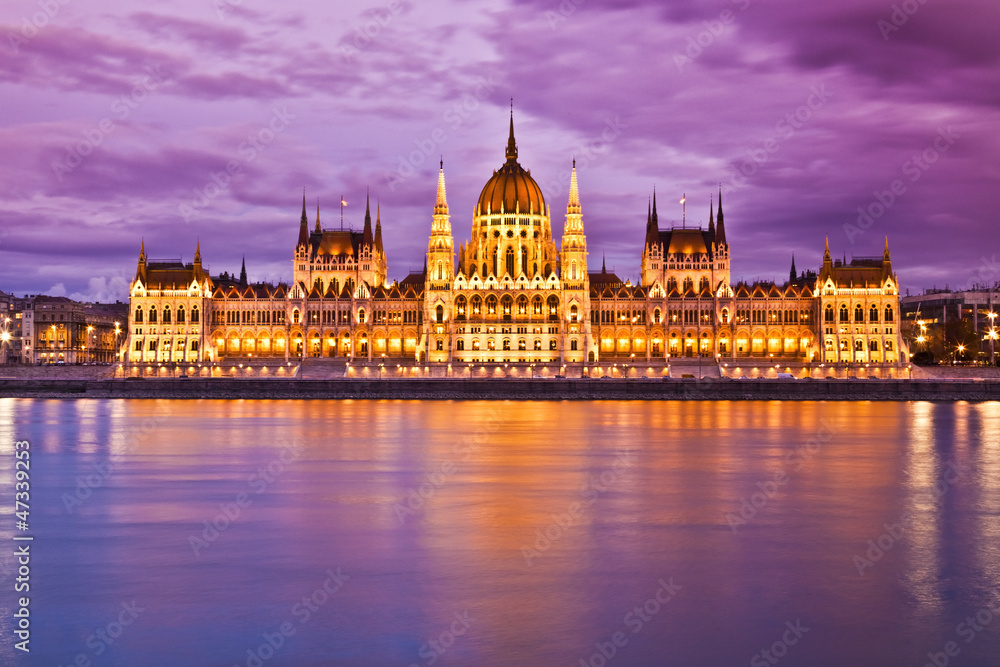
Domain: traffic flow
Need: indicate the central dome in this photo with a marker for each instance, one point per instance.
(511, 188)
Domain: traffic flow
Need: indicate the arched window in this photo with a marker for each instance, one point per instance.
(491, 305)
(656, 316)
(295, 316)
(475, 344)
(888, 346)
(553, 307)
(536, 305)
(538, 344)
(180, 314)
(873, 313)
(548, 270)
(573, 313)
(460, 345)
(524, 260)
(506, 305)
(477, 305)
(844, 314)
(152, 314)
(552, 344)
(725, 316)
(859, 314)
(506, 343)
(828, 314)
(510, 262)
(671, 284)
(888, 314)
(484, 270)
(438, 313)
(522, 305)
(166, 314)
(572, 271)
(491, 345)
(361, 316)
(703, 285)
(460, 308)
(138, 314)
(873, 346)
(688, 284)
(521, 344)
(440, 270)
(572, 345)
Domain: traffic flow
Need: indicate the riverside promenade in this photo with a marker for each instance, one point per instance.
(555, 389)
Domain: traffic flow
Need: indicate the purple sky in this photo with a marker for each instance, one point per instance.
(115, 115)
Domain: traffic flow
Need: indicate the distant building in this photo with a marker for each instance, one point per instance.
(513, 295)
(946, 325)
(56, 329)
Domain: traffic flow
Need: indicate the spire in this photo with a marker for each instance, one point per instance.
(655, 218)
(318, 228)
(604, 268)
(511, 145)
(304, 223)
(793, 274)
(711, 216)
(197, 255)
(720, 230)
(140, 272)
(378, 227)
(366, 238)
(885, 253)
(826, 253)
(441, 205)
(243, 273)
(573, 207)
(142, 251)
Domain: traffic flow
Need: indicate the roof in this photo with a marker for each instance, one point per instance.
(337, 243)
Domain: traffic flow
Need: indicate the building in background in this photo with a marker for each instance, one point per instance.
(58, 330)
(946, 326)
(512, 296)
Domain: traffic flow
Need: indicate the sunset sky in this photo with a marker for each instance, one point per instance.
(170, 121)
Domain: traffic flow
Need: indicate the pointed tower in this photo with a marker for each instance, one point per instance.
(574, 241)
(303, 225)
(140, 272)
(197, 261)
(711, 216)
(651, 265)
(440, 246)
(243, 273)
(318, 228)
(720, 233)
(367, 239)
(793, 274)
(378, 229)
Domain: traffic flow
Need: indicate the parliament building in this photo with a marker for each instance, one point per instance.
(513, 298)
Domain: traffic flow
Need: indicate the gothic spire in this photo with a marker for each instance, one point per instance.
(711, 216)
(885, 253)
(366, 238)
(378, 227)
(573, 207)
(826, 253)
(604, 267)
(720, 230)
(511, 144)
(318, 228)
(655, 217)
(441, 204)
(304, 223)
(197, 254)
(793, 274)
(243, 273)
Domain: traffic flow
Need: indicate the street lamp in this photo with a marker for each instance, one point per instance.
(992, 336)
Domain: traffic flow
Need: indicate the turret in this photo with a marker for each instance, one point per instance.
(440, 247)
(720, 232)
(367, 239)
(304, 224)
(574, 242)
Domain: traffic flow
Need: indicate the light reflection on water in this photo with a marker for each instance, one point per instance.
(542, 524)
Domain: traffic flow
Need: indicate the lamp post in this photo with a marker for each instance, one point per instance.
(992, 336)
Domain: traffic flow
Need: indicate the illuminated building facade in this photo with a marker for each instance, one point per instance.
(514, 296)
